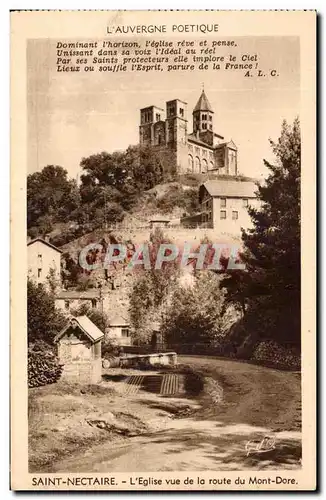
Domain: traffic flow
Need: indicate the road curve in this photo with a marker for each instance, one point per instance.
(257, 401)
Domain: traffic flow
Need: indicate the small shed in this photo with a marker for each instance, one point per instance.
(159, 222)
(79, 350)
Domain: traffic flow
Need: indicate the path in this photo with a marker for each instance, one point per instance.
(257, 401)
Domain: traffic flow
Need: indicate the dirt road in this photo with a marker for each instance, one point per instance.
(257, 402)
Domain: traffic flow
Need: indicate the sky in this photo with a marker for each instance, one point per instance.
(74, 115)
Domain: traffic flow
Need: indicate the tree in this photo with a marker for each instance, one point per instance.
(51, 196)
(195, 314)
(53, 281)
(269, 289)
(70, 270)
(99, 319)
(44, 321)
(151, 290)
(126, 173)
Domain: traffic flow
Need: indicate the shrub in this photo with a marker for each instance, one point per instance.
(270, 353)
(43, 365)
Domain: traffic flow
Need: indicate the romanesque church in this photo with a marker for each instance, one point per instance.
(202, 151)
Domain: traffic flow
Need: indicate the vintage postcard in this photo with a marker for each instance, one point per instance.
(163, 250)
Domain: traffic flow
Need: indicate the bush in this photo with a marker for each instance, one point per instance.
(43, 365)
(270, 353)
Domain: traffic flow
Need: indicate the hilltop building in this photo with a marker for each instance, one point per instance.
(224, 204)
(202, 151)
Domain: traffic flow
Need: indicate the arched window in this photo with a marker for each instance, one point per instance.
(204, 166)
(211, 165)
(190, 163)
(197, 165)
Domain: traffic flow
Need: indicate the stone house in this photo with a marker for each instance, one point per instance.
(224, 204)
(66, 300)
(42, 258)
(119, 330)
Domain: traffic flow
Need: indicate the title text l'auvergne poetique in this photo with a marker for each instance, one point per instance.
(163, 28)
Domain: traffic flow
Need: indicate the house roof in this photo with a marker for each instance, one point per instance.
(160, 219)
(228, 188)
(75, 294)
(41, 240)
(86, 325)
(203, 104)
(118, 320)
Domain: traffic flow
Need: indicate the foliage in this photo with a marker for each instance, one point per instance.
(70, 270)
(269, 291)
(44, 321)
(178, 197)
(111, 184)
(195, 313)
(43, 365)
(52, 280)
(270, 353)
(100, 319)
(151, 290)
(51, 196)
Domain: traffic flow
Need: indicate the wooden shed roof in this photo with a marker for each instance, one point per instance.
(86, 325)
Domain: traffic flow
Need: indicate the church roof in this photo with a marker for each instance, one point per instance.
(228, 188)
(193, 138)
(203, 104)
(229, 144)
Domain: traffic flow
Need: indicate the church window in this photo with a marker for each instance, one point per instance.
(181, 112)
(210, 127)
(211, 165)
(204, 126)
(197, 162)
(158, 117)
(235, 215)
(210, 118)
(223, 202)
(190, 163)
(232, 156)
(211, 155)
(223, 214)
(204, 166)
(197, 150)
(204, 151)
(190, 148)
(204, 117)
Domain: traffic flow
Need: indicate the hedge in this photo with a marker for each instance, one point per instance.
(43, 366)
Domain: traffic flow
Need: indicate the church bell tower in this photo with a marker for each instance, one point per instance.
(203, 120)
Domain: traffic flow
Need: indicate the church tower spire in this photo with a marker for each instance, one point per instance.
(203, 119)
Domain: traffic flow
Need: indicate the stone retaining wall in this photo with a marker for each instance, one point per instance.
(134, 360)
